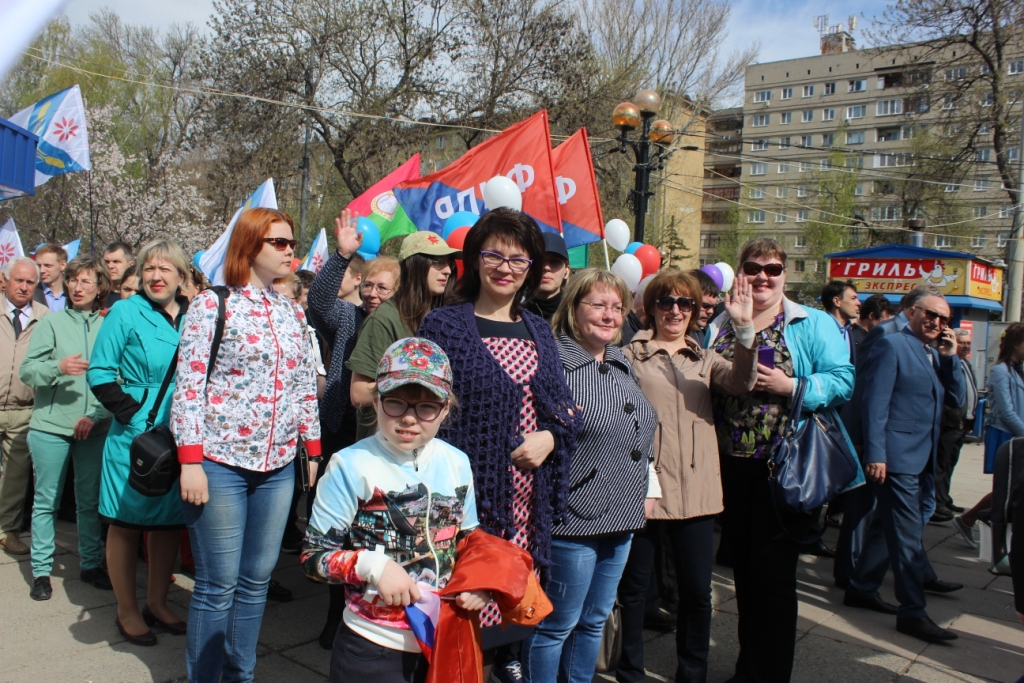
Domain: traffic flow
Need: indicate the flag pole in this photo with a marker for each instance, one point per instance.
(607, 263)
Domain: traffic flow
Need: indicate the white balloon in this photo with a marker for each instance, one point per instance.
(616, 234)
(728, 275)
(643, 284)
(502, 192)
(629, 269)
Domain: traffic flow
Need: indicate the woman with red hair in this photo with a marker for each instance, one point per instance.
(238, 426)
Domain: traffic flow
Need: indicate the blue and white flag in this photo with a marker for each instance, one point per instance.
(317, 256)
(59, 121)
(72, 248)
(10, 243)
(212, 262)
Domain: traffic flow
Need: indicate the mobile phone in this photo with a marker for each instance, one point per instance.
(766, 356)
(304, 467)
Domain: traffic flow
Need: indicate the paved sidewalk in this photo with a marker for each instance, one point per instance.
(72, 638)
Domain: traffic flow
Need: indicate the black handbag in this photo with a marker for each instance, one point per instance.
(154, 455)
(813, 463)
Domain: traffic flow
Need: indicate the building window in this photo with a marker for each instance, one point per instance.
(983, 155)
(807, 116)
(980, 184)
(783, 143)
(762, 120)
(825, 163)
(859, 190)
(830, 89)
(828, 139)
(1003, 239)
(958, 74)
(806, 166)
(808, 91)
(858, 86)
(855, 138)
(758, 169)
(950, 187)
(1006, 211)
(806, 141)
(892, 160)
(828, 114)
(799, 266)
(784, 168)
(978, 241)
(787, 93)
(857, 112)
(786, 117)
(980, 211)
(888, 107)
(886, 213)
(709, 241)
(802, 191)
(755, 217)
(781, 191)
(943, 242)
(758, 145)
(856, 161)
(763, 96)
(801, 217)
(440, 142)
(1017, 67)
(781, 217)
(757, 193)
(1013, 153)
(819, 266)
(894, 134)
(988, 99)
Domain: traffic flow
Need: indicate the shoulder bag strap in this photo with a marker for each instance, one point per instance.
(222, 293)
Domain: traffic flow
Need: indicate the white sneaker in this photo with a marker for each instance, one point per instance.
(966, 531)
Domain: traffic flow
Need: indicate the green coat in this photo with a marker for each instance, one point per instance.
(136, 345)
(61, 400)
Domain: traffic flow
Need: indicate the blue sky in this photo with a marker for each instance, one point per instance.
(784, 27)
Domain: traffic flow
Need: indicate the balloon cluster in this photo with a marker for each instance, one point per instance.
(638, 260)
(722, 273)
(371, 238)
(499, 193)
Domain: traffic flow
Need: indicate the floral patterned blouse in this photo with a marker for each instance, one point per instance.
(749, 426)
(261, 397)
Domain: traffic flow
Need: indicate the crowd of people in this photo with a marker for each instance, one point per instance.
(451, 410)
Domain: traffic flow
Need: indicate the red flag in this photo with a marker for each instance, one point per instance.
(521, 152)
(363, 204)
(577, 191)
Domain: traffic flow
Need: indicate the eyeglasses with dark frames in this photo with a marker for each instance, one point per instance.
(667, 303)
(425, 410)
(753, 269)
(708, 307)
(518, 264)
(933, 316)
(281, 243)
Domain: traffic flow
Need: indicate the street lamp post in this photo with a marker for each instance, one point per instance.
(630, 116)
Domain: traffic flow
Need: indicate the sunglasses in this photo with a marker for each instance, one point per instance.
(770, 269)
(425, 410)
(708, 307)
(933, 316)
(280, 243)
(666, 303)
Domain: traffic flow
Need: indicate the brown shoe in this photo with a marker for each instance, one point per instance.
(14, 545)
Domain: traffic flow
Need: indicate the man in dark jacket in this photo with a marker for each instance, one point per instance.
(556, 273)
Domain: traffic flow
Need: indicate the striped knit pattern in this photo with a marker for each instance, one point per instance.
(608, 481)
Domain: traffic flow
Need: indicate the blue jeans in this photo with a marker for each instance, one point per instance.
(236, 540)
(582, 584)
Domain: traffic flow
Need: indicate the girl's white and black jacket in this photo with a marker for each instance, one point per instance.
(377, 502)
(612, 468)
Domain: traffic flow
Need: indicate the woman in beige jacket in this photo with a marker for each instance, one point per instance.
(678, 376)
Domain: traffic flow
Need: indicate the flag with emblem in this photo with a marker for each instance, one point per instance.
(521, 152)
(212, 262)
(59, 121)
(317, 256)
(10, 243)
(577, 191)
(379, 203)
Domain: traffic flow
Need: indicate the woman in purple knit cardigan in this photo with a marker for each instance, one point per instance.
(517, 419)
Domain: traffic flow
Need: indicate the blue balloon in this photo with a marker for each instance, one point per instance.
(199, 255)
(462, 219)
(371, 236)
(366, 256)
(632, 247)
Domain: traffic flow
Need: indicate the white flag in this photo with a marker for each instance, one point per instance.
(317, 256)
(10, 243)
(59, 121)
(212, 262)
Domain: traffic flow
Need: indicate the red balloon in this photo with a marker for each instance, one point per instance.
(457, 239)
(649, 259)
(295, 264)
(459, 268)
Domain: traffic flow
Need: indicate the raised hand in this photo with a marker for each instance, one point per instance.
(349, 238)
(740, 304)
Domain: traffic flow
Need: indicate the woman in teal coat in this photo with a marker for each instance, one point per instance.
(136, 345)
(67, 423)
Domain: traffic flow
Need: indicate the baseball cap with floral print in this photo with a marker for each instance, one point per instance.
(415, 360)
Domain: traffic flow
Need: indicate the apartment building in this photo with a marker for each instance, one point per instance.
(869, 104)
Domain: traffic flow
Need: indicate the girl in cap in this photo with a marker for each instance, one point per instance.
(387, 517)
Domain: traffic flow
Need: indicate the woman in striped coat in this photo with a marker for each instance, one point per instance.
(611, 483)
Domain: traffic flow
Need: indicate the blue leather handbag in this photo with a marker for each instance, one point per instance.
(812, 463)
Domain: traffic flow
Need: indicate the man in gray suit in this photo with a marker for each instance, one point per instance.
(902, 407)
